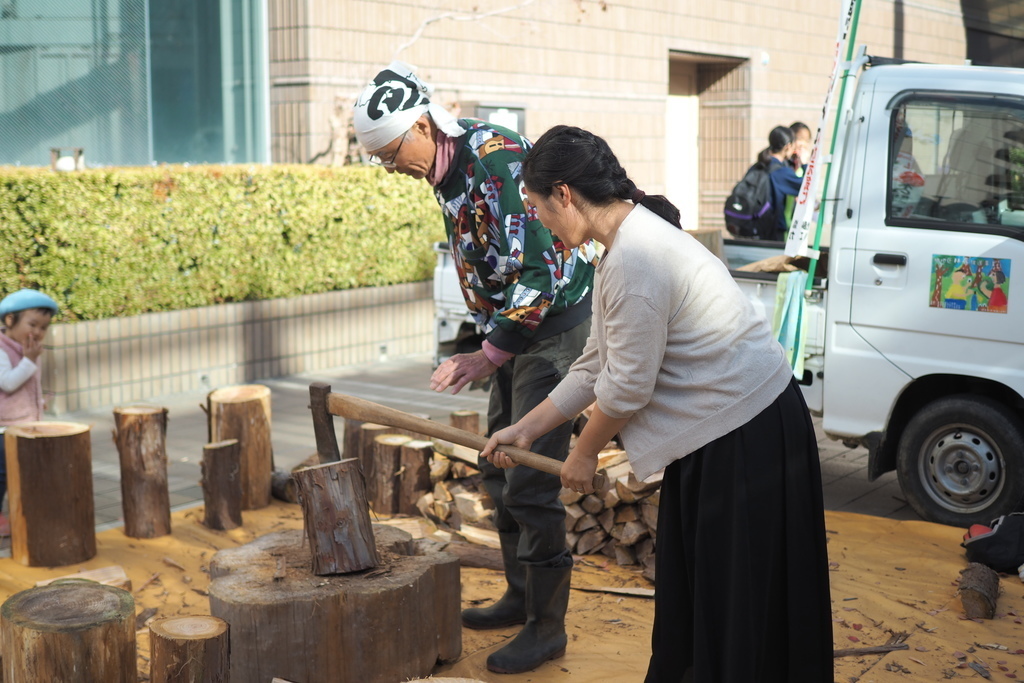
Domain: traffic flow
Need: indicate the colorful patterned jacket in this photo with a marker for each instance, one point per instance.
(520, 282)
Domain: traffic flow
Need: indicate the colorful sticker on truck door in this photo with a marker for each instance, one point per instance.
(970, 283)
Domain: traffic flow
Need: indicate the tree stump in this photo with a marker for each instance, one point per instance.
(49, 475)
(222, 485)
(387, 454)
(368, 431)
(336, 518)
(414, 480)
(140, 434)
(243, 412)
(466, 420)
(381, 626)
(69, 630)
(189, 649)
(979, 589)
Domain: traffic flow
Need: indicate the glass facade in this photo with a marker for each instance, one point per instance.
(133, 81)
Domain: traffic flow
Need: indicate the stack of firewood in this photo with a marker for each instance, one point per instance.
(620, 520)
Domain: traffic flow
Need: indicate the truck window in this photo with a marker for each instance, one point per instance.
(957, 162)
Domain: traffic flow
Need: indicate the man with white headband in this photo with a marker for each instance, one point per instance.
(531, 297)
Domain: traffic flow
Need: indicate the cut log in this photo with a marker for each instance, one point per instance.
(70, 630)
(649, 511)
(611, 457)
(414, 478)
(189, 649)
(368, 431)
(352, 439)
(626, 513)
(473, 506)
(468, 420)
(243, 412)
(570, 497)
(624, 555)
(482, 536)
(387, 454)
(573, 514)
(113, 575)
(643, 488)
(632, 532)
(644, 549)
(222, 485)
(587, 522)
(282, 486)
(592, 504)
(140, 434)
(571, 539)
(323, 424)
(607, 520)
(591, 541)
(474, 555)
(336, 517)
(440, 468)
(372, 627)
(456, 452)
(610, 497)
(622, 489)
(979, 589)
(49, 477)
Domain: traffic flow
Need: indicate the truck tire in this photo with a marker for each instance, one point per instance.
(961, 461)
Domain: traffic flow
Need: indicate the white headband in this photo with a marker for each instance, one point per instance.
(393, 102)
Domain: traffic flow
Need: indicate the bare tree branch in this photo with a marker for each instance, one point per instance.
(456, 16)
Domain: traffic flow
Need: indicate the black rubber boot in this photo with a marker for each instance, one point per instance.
(543, 637)
(510, 609)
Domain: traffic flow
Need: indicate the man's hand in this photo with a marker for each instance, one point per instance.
(460, 370)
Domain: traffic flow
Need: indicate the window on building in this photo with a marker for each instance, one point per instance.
(133, 81)
(957, 162)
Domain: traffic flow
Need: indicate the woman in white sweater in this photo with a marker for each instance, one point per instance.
(681, 366)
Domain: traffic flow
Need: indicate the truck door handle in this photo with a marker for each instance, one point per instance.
(890, 259)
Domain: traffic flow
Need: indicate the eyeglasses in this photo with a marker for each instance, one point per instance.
(390, 163)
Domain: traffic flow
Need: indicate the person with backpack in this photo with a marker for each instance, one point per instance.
(784, 179)
(755, 207)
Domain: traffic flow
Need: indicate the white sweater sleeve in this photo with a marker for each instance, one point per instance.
(11, 378)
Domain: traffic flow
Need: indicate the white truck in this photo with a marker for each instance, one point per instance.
(915, 342)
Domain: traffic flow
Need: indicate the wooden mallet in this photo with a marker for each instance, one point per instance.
(354, 408)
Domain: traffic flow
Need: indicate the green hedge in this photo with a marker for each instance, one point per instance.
(117, 242)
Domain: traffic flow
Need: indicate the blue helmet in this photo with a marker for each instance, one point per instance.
(25, 299)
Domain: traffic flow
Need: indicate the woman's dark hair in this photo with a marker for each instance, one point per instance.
(778, 139)
(798, 126)
(578, 158)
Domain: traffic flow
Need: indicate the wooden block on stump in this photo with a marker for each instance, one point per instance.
(336, 518)
(49, 480)
(243, 412)
(368, 432)
(188, 648)
(222, 485)
(69, 630)
(370, 627)
(140, 434)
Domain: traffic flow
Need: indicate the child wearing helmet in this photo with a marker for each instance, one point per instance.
(24, 318)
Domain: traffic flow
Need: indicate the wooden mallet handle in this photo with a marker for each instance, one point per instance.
(354, 408)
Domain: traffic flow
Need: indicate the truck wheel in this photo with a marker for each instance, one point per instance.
(961, 461)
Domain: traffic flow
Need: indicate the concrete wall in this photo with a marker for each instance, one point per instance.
(607, 66)
(124, 360)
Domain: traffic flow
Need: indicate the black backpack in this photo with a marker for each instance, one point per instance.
(748, 208)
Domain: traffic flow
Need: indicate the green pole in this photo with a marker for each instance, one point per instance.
(851, 45)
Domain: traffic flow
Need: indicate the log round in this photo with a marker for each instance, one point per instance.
(222, 486)
(140, 434)
(336, 517)
(468, 420)
(189, 649)
(243, 412)
(386, 487)
(388, 624)
(49, 479)
(69, 630)
(414, 480)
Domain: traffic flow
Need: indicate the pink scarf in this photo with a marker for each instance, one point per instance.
(443, 158)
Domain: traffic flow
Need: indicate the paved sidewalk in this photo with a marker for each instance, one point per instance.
(400, 384)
